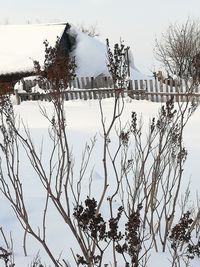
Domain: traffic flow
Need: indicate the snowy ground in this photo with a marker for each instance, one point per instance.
(83, 120)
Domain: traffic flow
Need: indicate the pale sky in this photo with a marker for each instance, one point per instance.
(137, 22)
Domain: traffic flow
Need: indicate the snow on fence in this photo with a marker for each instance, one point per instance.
(102, 87)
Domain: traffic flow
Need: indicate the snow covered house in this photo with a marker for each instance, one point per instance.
(22, 44)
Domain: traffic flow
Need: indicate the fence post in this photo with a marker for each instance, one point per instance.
(151, 90)
(82, 83)
(146, 96)
(141, 88)
(78, 83)
(74, 83)
(167, 90)
(130, 88)
(71, 95)
(92, 82)
(18, 100)
(80, 94)
(136, 85)
(98, 82)
(181, 91)
(95, 94)
(171, 87)
(88, 83)
(76, 94)
(156, 91)
(130, 85)
(85, 95)
(90, 94)
(110, 82)
(176, 83)
(161, 91)
(67, 95)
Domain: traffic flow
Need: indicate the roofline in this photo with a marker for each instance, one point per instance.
(15, 76)
(37, 24)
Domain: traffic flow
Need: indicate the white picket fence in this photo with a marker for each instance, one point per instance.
(102, 87)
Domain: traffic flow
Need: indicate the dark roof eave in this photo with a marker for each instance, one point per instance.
(15, 76)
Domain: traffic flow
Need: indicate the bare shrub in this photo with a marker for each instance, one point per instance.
(90, 30)
(183, 246)
(6, 250)
(142, 173)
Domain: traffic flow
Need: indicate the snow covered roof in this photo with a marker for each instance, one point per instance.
(21, 44)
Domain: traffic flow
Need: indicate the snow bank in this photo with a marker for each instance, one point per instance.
(83, 122)
(91, 57)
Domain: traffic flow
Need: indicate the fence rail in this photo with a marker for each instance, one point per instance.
(102, 87)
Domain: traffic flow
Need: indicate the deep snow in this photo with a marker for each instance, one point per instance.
(83, 122)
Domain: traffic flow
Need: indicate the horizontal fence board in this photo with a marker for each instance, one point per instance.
(101, 94)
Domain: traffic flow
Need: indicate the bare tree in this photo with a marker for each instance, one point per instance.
(179, 51)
